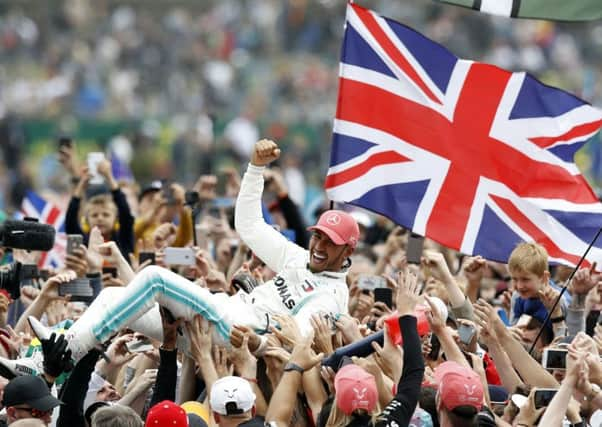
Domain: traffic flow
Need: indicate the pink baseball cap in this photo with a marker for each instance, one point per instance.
(355, 389)
(458, 386)
(339, 226)
(166, 413)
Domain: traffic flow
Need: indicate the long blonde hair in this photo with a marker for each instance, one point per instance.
(338, 419)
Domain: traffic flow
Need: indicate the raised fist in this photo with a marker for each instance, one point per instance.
(265, 152)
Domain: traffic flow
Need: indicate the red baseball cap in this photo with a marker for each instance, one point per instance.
(355, 389)
(166, 413)
(458, 386)
(339, 226)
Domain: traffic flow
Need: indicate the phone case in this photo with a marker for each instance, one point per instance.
(179, 256)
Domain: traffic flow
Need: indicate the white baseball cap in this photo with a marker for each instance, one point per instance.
(231, 396)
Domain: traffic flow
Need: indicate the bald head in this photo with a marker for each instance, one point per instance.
(28, 422)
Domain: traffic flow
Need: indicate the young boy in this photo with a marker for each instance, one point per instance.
(109, 212)
(528, 265)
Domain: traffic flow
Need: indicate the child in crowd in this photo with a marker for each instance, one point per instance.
(533, 295)
(109, 212)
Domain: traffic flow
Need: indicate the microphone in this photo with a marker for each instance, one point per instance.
(28, 235)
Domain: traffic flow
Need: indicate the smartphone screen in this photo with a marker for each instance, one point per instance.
(143, 256)
(73, 242)
(414, 248)
(384, 295)
(543, 397)
(554, 358)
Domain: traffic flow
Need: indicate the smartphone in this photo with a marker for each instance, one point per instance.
(94, 158)
(143, 256)
(79, 289)
(554, 358)
(110, 270)
(435, 347)
(543, 397)
(74, 241)
(414, 248)
(370, 283)
(139, 346)
(179, 256)
(466, 333)
(384, 295)
(65, 141)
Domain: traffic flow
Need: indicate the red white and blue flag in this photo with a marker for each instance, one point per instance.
(34, 206)
(467, 154)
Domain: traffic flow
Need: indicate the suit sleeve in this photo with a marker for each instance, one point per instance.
(268, 244)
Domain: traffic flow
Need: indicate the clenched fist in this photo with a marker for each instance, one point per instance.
(265, 152)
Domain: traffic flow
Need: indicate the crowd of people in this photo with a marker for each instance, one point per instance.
(201, 76)
(214, 303)
(249, 317)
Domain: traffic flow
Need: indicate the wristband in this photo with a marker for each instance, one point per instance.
(557, 319)
(290, 366)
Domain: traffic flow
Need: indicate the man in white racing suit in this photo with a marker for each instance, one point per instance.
(307, 282)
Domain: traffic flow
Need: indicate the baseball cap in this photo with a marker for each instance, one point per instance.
(196, 408)
(355, 389)
(231, 396)
(151, 187)
(339, 226)
(459, 386)
(166, 413)
(29, 390)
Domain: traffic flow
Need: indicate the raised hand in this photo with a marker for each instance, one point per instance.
(264, 152)
(389, 358)
(407, 293)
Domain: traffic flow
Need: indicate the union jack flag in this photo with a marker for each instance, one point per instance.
(467, 154)
(35, 206)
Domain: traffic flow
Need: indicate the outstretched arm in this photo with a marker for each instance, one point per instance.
(268, 244)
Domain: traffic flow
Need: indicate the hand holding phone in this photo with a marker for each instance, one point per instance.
(554, 358)
(543, 397)
(74, 241)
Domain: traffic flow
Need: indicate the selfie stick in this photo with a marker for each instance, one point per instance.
(563, 290)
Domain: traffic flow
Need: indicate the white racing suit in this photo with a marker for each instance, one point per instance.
(294, 290)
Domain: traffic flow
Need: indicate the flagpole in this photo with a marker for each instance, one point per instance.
(563, 290)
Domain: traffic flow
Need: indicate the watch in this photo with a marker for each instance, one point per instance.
(290, 366)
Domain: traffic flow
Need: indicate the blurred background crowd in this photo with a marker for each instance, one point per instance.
(180, 88)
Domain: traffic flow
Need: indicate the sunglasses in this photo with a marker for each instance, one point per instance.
(36, 413)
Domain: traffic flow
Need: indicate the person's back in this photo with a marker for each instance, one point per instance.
(116, 416)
